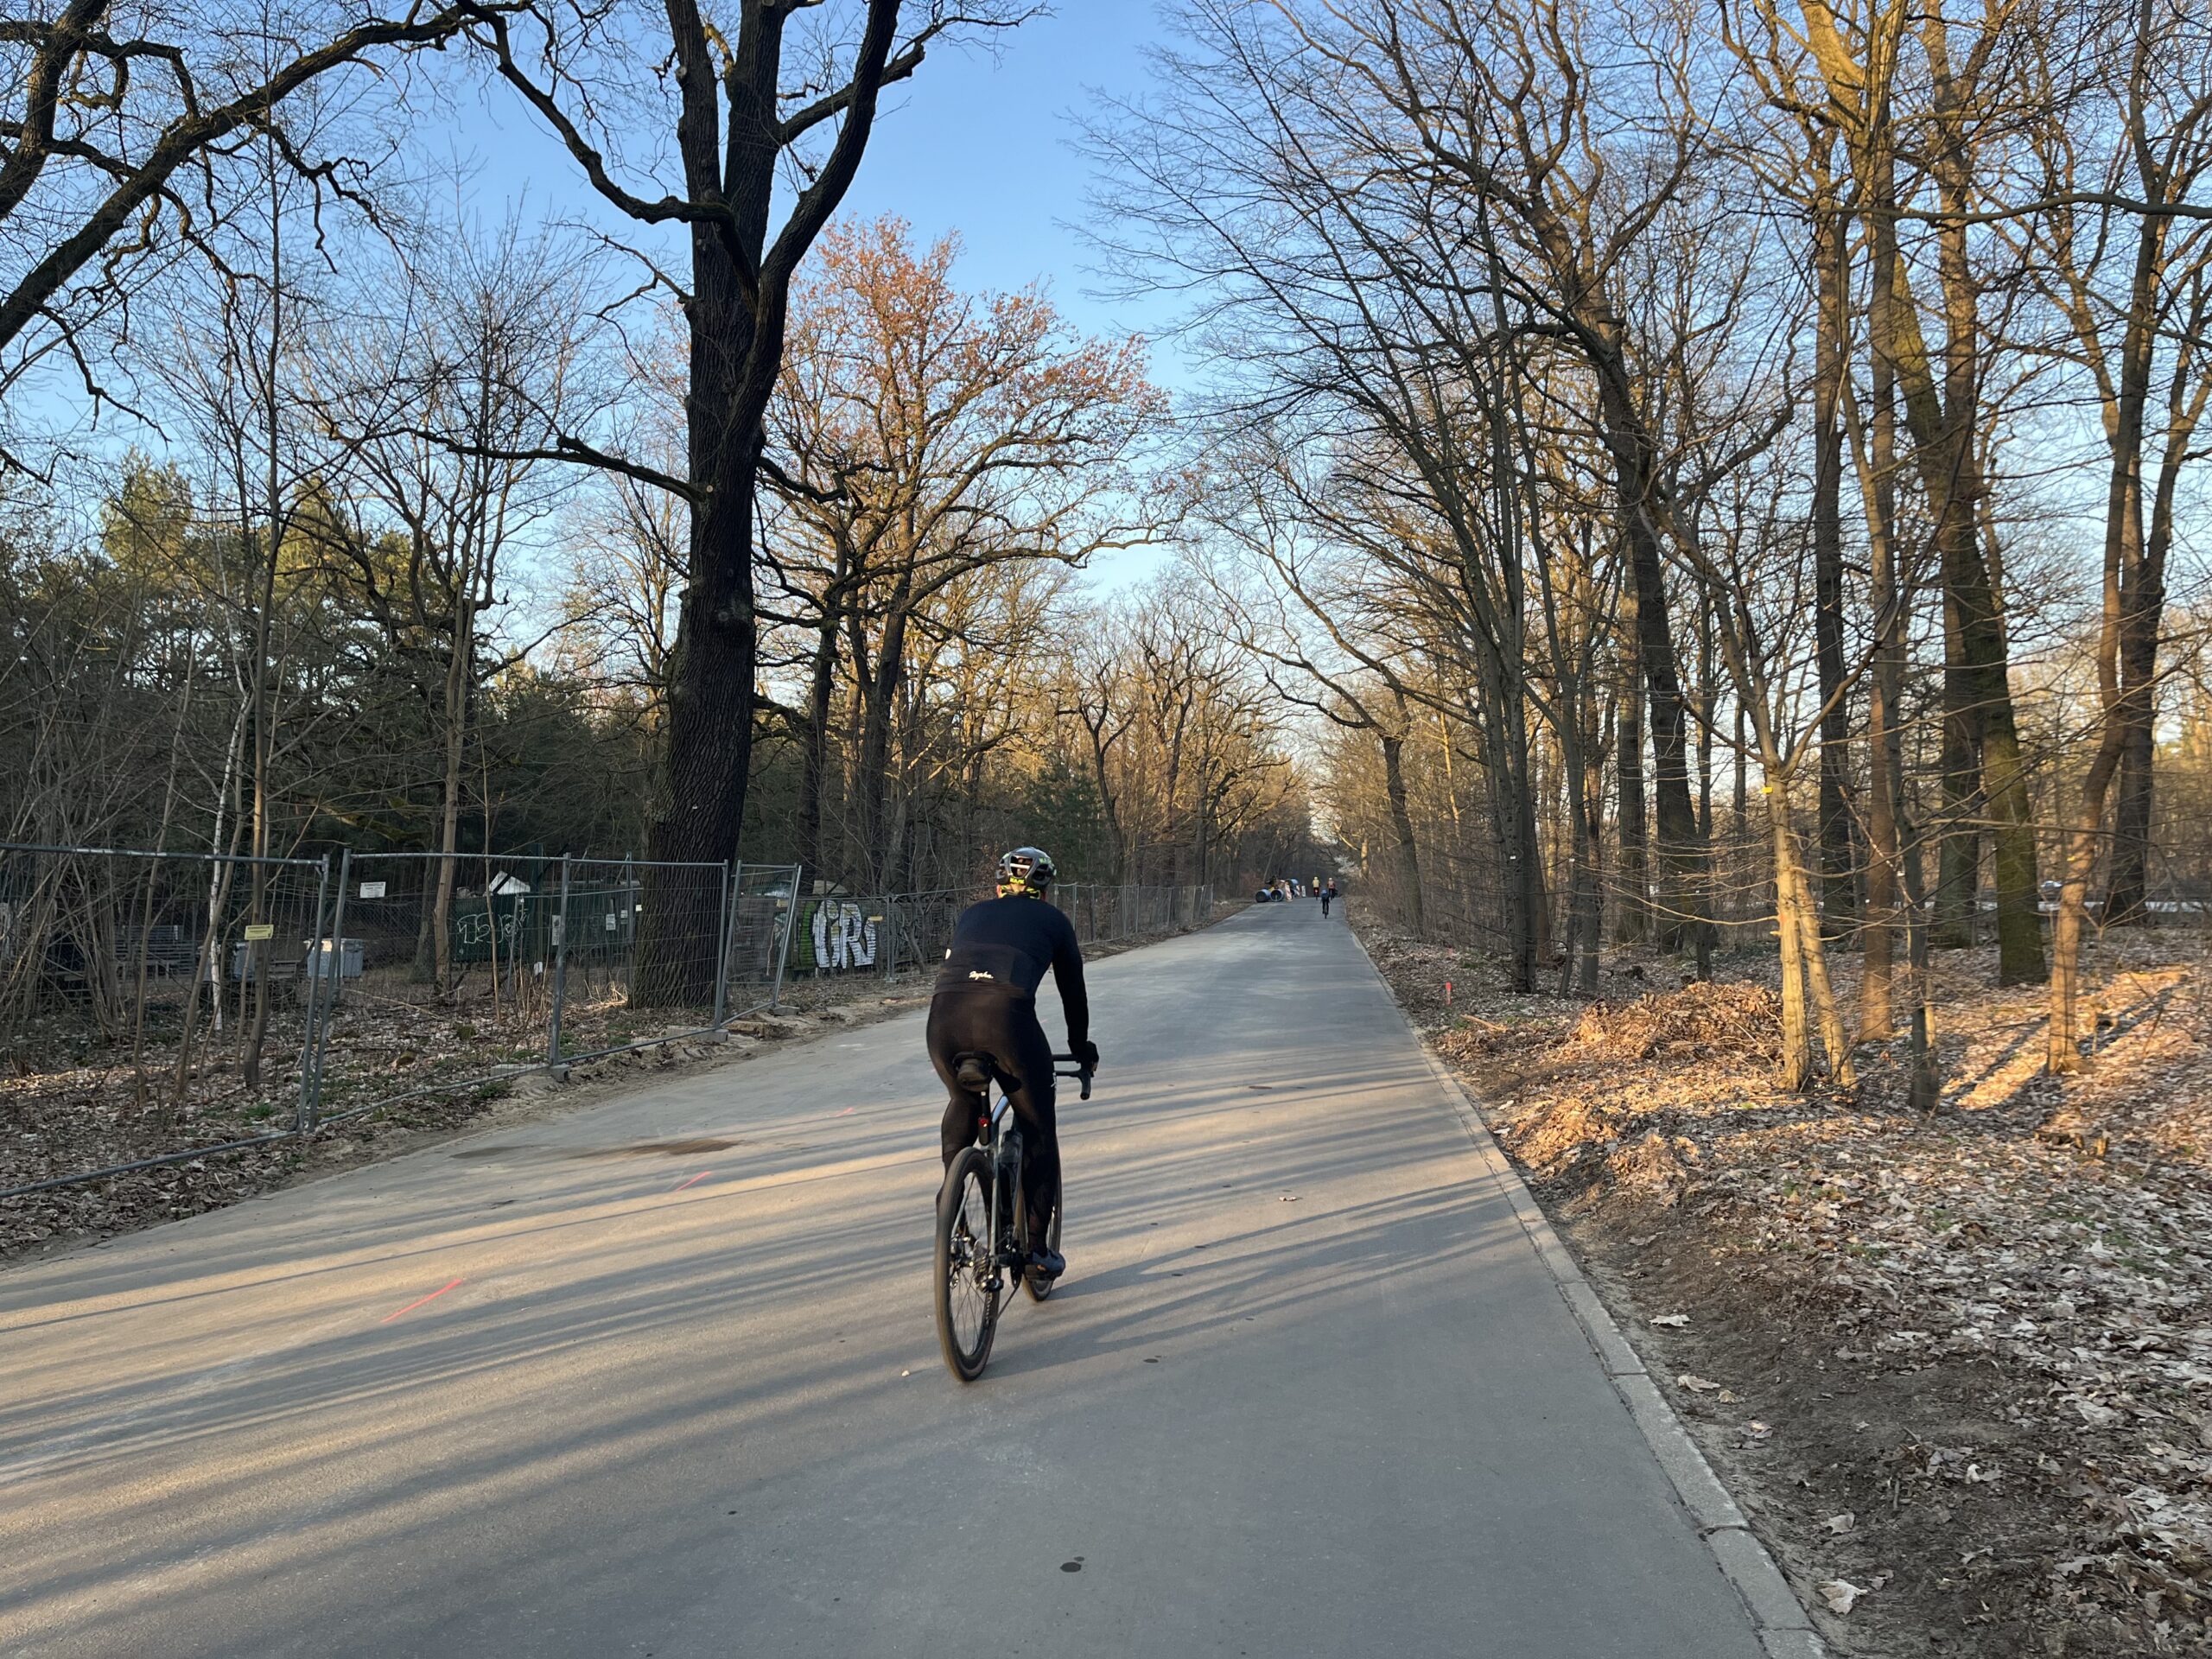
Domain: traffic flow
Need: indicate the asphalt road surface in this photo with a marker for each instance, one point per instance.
(660, 1378)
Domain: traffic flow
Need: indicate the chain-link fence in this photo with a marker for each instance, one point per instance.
(154, 1007)
(444, 975)
(763, 910)
(1102, 913)
(161, 1007)
(473, 968)
(158, 1008)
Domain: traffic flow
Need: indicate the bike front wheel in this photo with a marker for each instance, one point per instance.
(969, 1282)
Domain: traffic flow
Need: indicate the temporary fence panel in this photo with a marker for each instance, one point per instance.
(454, 987)
(763, 911)
(644, 952)
(898, 933)
(233, 1002)
(152, 1005)
(548, 960)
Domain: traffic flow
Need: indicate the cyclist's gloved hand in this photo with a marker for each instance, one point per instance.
(1086, 1055)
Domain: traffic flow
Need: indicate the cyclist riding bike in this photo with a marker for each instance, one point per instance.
(985, 1007)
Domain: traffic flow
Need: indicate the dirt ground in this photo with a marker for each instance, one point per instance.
(1957, 1369)
(54, 1123)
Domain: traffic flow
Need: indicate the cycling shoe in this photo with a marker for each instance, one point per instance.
(1049, 1264)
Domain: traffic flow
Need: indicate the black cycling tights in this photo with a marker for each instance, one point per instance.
(1004, 1030)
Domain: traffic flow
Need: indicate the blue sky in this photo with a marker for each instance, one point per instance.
(978, 142)
(983, 147)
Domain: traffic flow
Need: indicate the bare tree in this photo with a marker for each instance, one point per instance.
(118, 129)
(755, 101)
(924, 434)
(439, 402)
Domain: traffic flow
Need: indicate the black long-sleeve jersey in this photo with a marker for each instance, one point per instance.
(1006, 944)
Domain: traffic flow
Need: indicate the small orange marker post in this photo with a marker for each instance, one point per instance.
(1447, 993)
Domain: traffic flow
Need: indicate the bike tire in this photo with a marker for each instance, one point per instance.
(965, 1322)
(1036, 1284)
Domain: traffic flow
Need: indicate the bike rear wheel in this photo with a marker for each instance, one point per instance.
(968, 1284)
(1037, 1284)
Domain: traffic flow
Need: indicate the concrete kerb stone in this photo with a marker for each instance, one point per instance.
(1621, 1360)
(1784, 1628)
(1709, 1503)
(1792, 1645)
(1758, 1579)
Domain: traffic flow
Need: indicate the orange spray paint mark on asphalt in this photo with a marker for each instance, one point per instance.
(694, 1181)
(418, 1302)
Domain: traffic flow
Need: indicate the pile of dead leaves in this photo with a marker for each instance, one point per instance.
(1698, 1022)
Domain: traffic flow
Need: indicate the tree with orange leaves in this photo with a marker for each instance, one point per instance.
(921, 435)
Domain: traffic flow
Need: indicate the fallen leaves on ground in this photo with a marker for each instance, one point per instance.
(1840, 1595)
(1996, 1322)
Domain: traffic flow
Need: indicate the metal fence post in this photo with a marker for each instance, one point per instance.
(886, 939)
(784, 944)
(560, 974)
(329, 990)
(313, 998)
(732, 875)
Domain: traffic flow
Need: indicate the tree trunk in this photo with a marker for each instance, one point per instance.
(710, 694)
(1885, 737)
(2125, 558)
(871, 767)
(449, 821)
(2142, 616)
(1797, 1069)
(1586, 783)
(1838, 898)
(735, 325)
(1946, 435)
(1632, 921)
(1406, 857)
(1958, 875)
(2127, 892)
(814, 743)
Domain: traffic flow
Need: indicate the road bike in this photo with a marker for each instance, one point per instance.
(982, 1228)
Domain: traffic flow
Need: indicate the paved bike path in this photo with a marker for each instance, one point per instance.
(1307, 1389)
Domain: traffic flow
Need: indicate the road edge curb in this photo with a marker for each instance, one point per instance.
(1779, 1619)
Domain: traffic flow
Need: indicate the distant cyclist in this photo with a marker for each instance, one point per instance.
(986, 1005)
(1328, 897)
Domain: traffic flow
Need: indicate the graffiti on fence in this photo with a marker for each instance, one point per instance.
(843, 936)
(474, 924)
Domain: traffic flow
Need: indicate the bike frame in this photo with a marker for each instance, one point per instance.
(1005, 1184)
(1006, 1160)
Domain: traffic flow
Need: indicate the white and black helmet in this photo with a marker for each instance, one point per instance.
(1026, 870)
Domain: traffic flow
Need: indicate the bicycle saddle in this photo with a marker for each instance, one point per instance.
(971, 1071)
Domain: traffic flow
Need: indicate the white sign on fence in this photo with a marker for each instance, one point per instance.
(371, 889)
